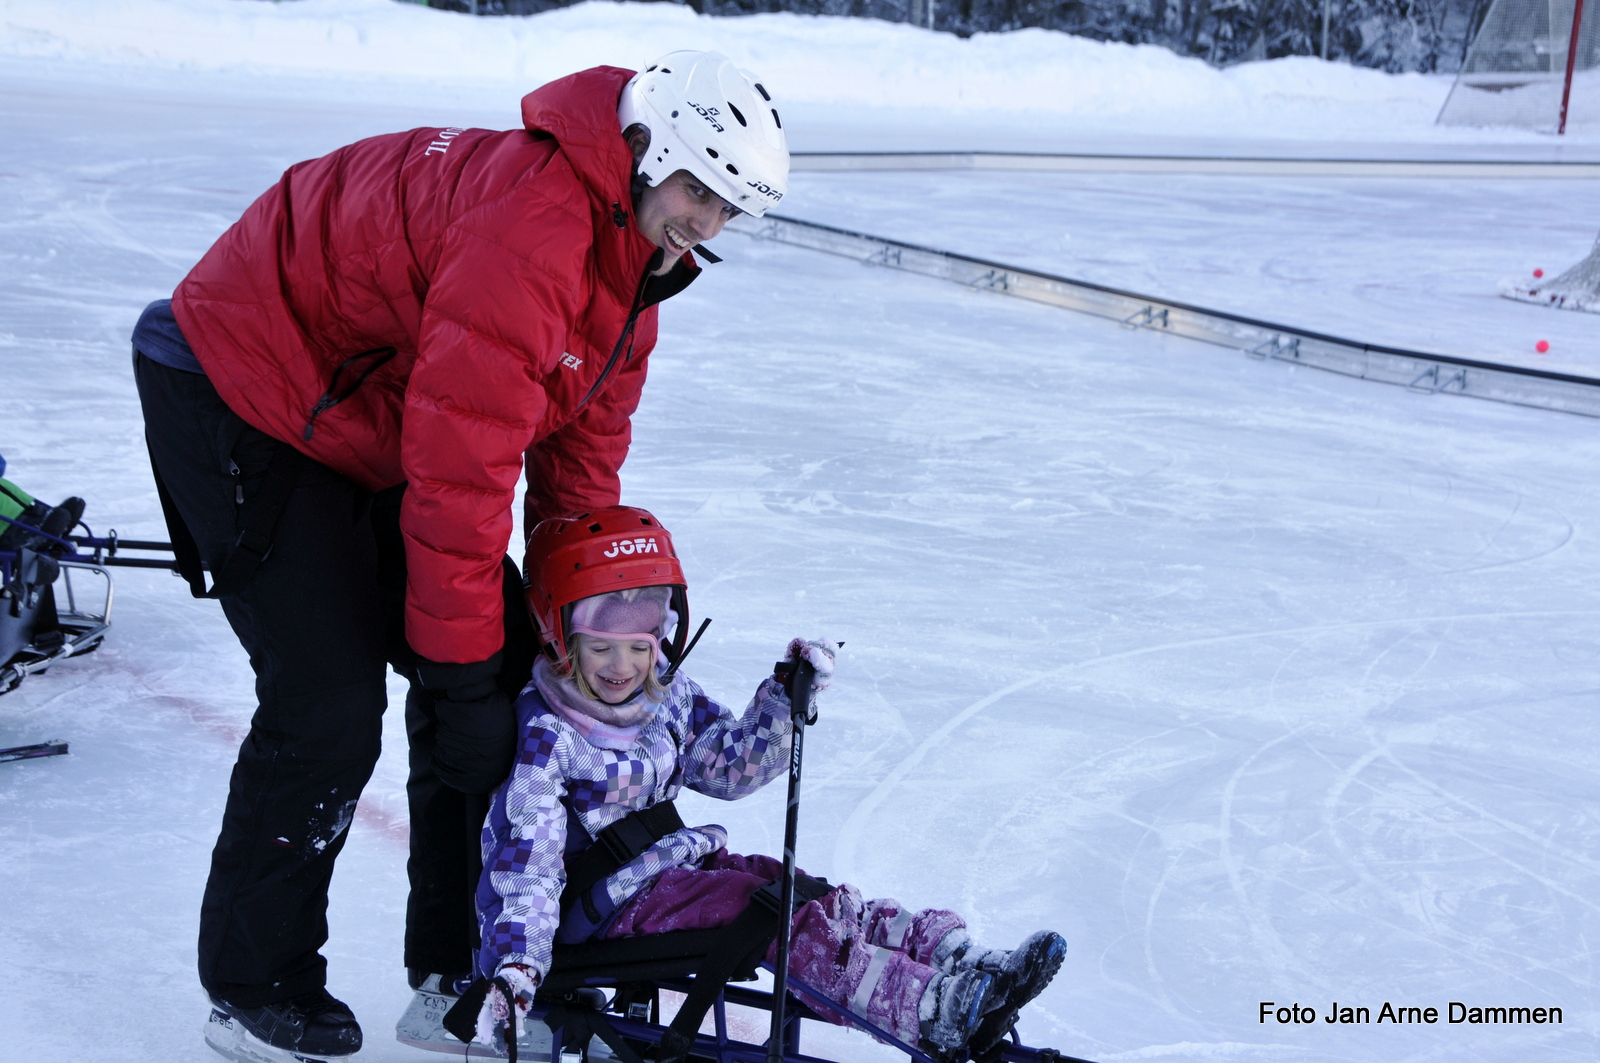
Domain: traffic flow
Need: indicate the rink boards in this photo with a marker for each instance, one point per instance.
(1416, 370)
(1274, 166)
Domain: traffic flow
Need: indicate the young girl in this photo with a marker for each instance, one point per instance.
(608, 726)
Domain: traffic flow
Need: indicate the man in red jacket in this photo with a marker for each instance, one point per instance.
(339, 401)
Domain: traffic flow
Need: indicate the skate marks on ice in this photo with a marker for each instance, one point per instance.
(1404, 846)
(851, 832)
(854, 827)
(105, 856)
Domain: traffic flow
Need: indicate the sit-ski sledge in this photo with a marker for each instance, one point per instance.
(629, 1027)
(700, 964)
(47, 613)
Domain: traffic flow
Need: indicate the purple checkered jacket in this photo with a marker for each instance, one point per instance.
(559, 778)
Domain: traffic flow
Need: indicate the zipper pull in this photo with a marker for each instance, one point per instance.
(325, 403)
(238, 487)
(618, 216)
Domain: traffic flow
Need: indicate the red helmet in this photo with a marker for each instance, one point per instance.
(572, 558)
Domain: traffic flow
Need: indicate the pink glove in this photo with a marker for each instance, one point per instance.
(820, 653)
(497, 1010)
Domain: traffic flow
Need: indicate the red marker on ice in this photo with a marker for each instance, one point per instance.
(1542, 346)
(1538, 273)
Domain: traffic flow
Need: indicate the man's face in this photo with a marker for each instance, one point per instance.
(679, 213)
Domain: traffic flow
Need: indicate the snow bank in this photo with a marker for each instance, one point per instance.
(813, 63)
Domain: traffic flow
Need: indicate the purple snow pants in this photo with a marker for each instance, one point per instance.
(870, 956)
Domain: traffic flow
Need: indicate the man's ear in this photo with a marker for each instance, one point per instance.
(638, 138)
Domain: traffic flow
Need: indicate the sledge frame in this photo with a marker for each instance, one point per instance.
(82, 621)
(804, 1002)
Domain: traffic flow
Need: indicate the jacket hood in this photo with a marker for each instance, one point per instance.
(580, 112)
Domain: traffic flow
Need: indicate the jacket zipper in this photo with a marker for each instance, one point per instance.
(331, 398)
(625, 339)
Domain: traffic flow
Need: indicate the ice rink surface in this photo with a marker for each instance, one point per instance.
(1259, 684)
(1409, 263)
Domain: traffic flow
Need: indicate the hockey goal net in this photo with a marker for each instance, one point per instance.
(1516, 70)
(1576, 289)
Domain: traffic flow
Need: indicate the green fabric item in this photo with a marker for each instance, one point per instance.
(14, 501)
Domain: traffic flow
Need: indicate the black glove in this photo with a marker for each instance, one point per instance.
(476, 738)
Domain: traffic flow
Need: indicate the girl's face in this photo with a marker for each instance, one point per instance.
(615, 669)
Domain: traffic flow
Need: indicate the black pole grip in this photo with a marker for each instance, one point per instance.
(800, 691)
(799, 681)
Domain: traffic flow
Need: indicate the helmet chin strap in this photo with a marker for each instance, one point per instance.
(636, 188)
(667, 676)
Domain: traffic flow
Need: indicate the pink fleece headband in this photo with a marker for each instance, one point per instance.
(635, 613)
(622, 636)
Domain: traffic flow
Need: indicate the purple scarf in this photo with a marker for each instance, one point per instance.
(601, 725)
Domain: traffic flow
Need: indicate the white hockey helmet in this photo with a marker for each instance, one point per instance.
(707, 116)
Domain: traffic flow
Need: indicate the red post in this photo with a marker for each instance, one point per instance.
(1572, 58)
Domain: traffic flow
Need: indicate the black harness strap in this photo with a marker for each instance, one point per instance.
(617, 846)
(733, 953)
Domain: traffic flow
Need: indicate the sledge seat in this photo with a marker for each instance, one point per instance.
(639, 959)
(697, 963)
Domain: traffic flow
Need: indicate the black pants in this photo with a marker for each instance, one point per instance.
(319, 618)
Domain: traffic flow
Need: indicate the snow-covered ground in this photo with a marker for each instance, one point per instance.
(1260, 684)
(842, 83)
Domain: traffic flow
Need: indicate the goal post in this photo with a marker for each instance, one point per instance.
(1533, 64)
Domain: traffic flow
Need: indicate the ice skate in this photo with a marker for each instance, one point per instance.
(312, 1028)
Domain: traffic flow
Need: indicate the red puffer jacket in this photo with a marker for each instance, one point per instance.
(435, 308)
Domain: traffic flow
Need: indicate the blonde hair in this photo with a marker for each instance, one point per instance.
(653, 690)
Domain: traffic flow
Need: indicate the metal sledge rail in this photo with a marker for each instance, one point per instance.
(1415, 370)
(54, 748)
(103, 551)
(719, 1046)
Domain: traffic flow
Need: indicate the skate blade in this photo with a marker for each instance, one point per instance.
(230, 1040)
(422, 1026)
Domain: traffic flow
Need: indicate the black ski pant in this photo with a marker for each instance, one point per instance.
(320, 617)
